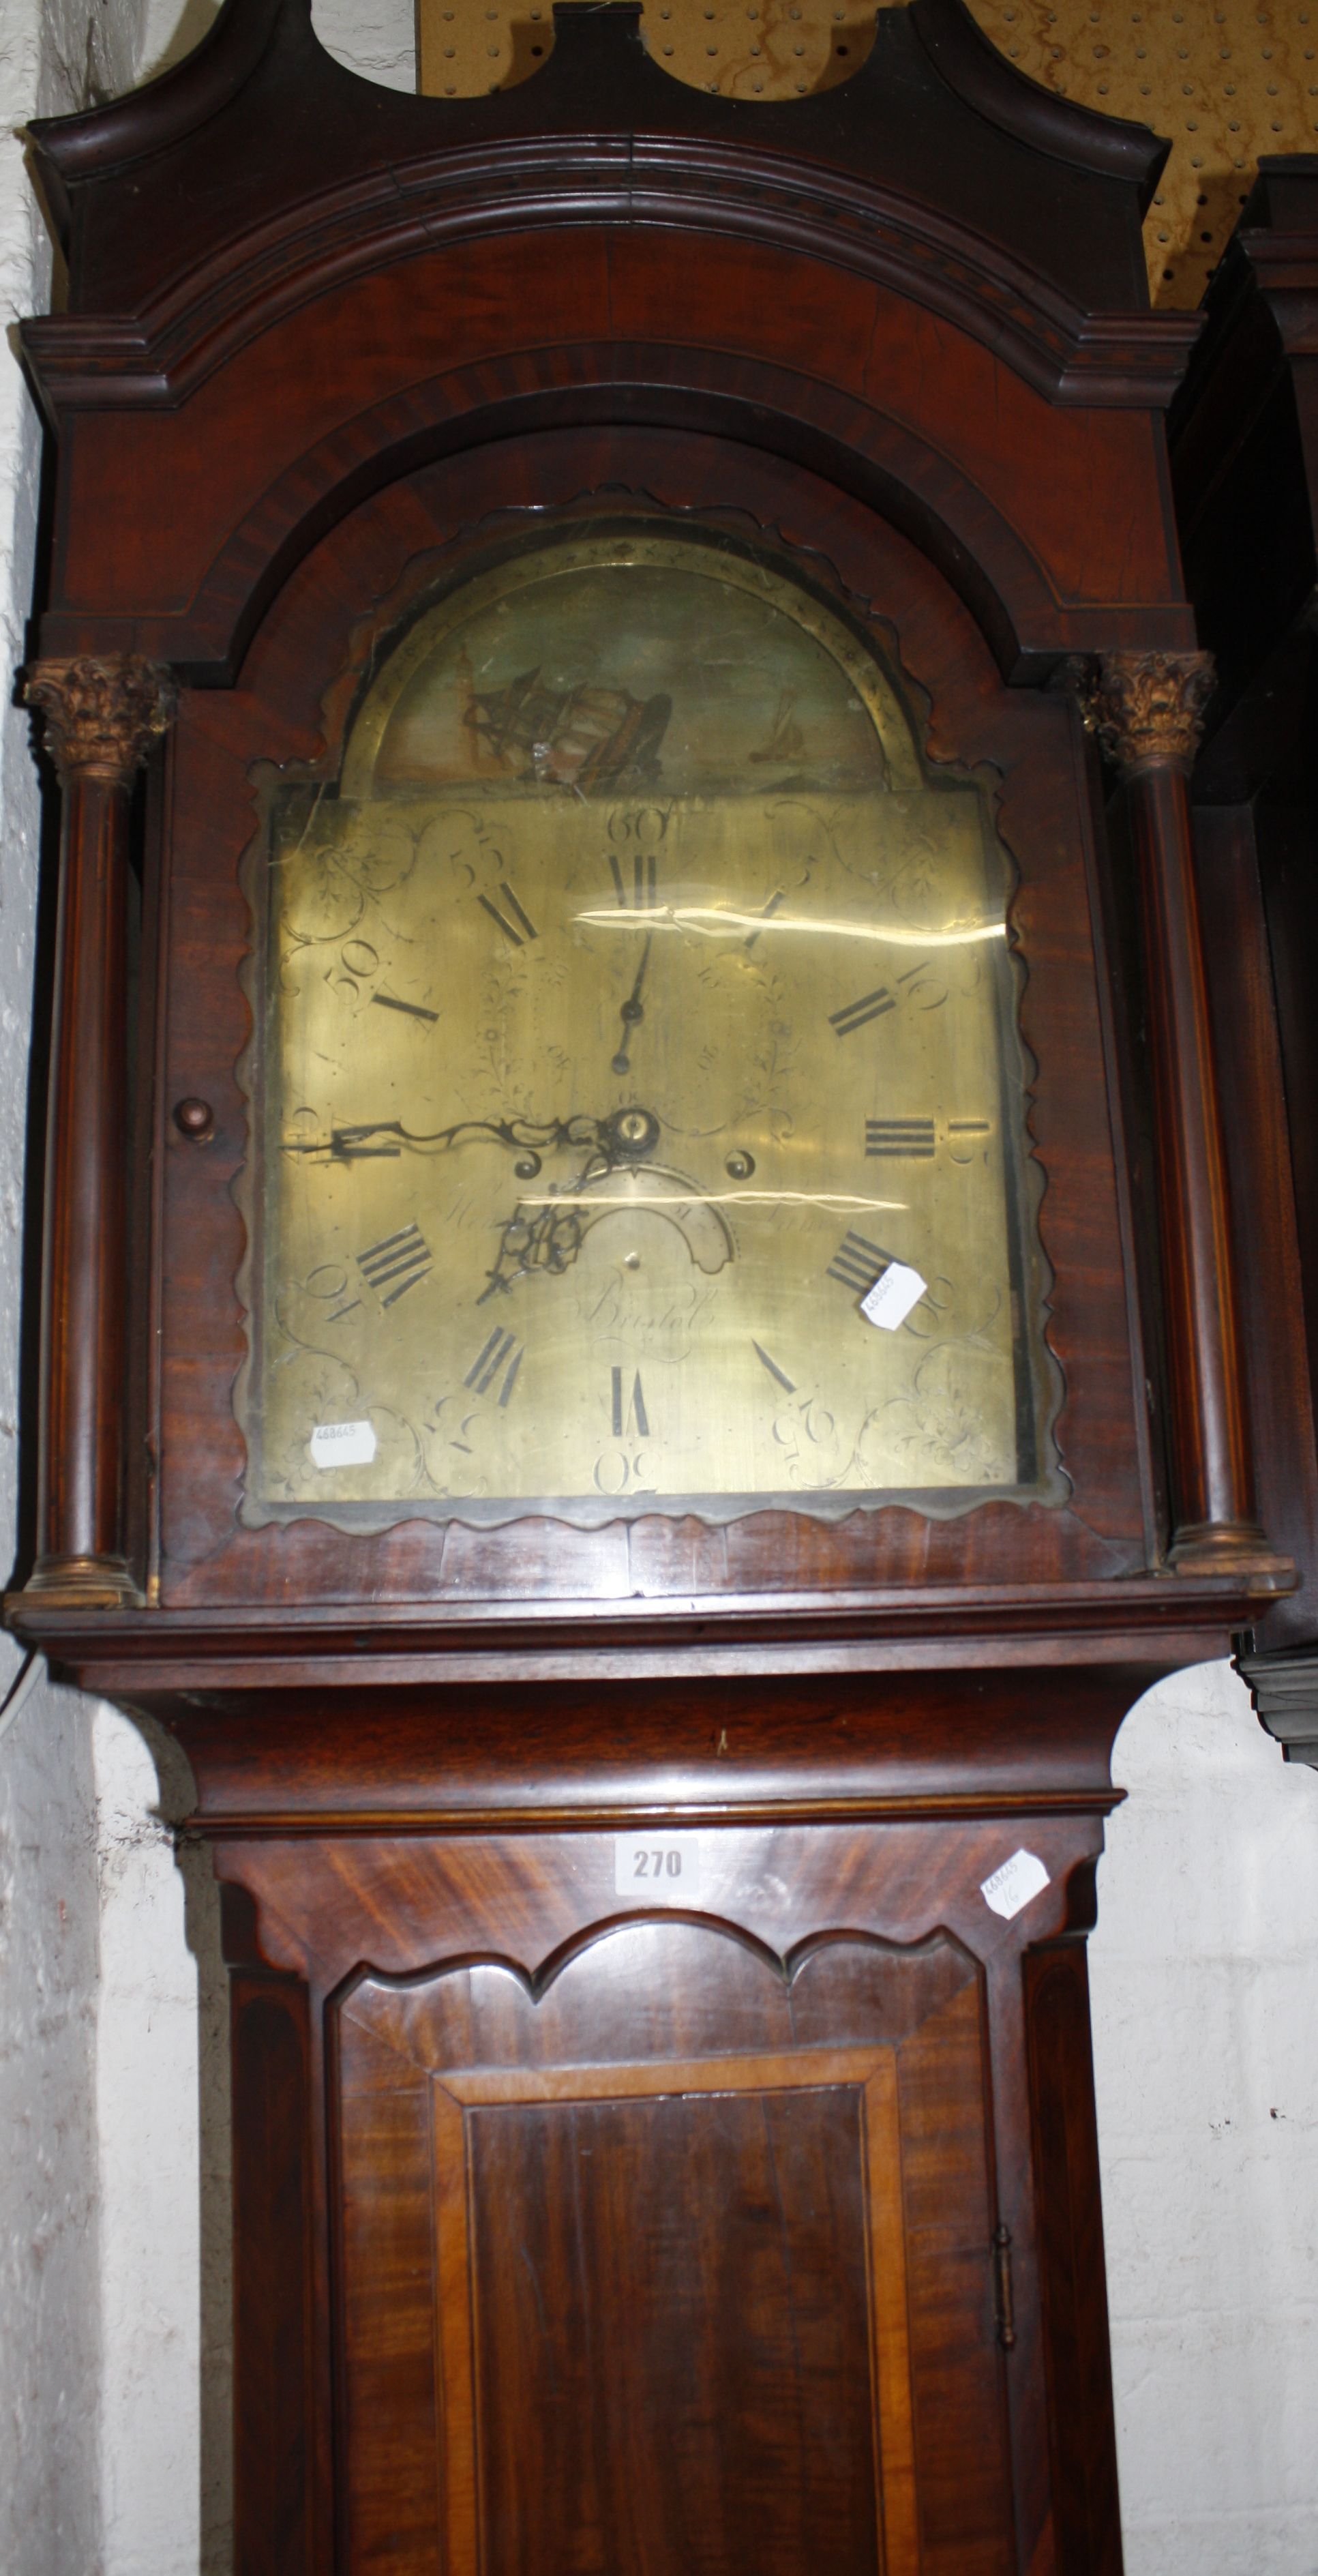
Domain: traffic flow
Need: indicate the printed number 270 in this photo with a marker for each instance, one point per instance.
(657, 1864)
(667, 1873)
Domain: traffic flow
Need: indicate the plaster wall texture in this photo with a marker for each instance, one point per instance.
(148, 2164)
(113, 2362)
(1205, 2011)
(374, 37)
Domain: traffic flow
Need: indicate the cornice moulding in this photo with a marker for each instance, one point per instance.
(158, 358)
(937, 169)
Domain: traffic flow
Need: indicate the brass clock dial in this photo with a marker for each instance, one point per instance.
(637, 1005)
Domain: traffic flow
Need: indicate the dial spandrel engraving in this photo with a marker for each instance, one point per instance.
(637, 997)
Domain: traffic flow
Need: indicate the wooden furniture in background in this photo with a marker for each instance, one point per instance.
(570, 2230)
(1245, 463)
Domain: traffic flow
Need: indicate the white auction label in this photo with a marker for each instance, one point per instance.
(342, 1444)
(891, 1298)
(1012, 1886)
(663, 1869)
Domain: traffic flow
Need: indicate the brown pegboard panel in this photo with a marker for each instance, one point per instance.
(1226, 79)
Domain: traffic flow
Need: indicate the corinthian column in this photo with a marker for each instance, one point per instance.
(102, 717)
(1147, 709)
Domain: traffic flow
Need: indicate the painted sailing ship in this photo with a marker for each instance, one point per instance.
(579, 737)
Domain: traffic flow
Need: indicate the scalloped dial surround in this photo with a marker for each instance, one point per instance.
(635, 1004)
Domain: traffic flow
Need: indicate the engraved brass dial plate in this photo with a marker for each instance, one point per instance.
(633, 1001)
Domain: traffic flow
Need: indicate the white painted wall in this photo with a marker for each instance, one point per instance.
(1205, 2006)
(113, 2360)
(374, 37)
(50, 2351)
(377, 37)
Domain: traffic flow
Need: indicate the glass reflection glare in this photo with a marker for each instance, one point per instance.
(670, 1199)
(709, 919)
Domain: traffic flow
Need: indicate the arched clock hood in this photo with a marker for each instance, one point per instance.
(933, 236)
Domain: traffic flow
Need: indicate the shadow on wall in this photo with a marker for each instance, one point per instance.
(163, 2118)
(201, 1913)
(164, 45)
(374, 37)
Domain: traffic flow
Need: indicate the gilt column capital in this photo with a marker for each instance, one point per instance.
(1147, 709)
(102, 713)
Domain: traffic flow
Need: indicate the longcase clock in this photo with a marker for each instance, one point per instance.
(641, 1352)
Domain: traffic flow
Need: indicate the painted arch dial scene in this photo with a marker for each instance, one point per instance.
(637, 1074)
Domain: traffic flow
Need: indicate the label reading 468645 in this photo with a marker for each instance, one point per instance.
(659, 1868)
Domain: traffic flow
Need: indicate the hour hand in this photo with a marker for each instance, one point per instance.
(632, 1012)
(546, 1235)
(548, 1239)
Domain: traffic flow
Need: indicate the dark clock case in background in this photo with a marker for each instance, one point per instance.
(1244, 451)
(572, 2225)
